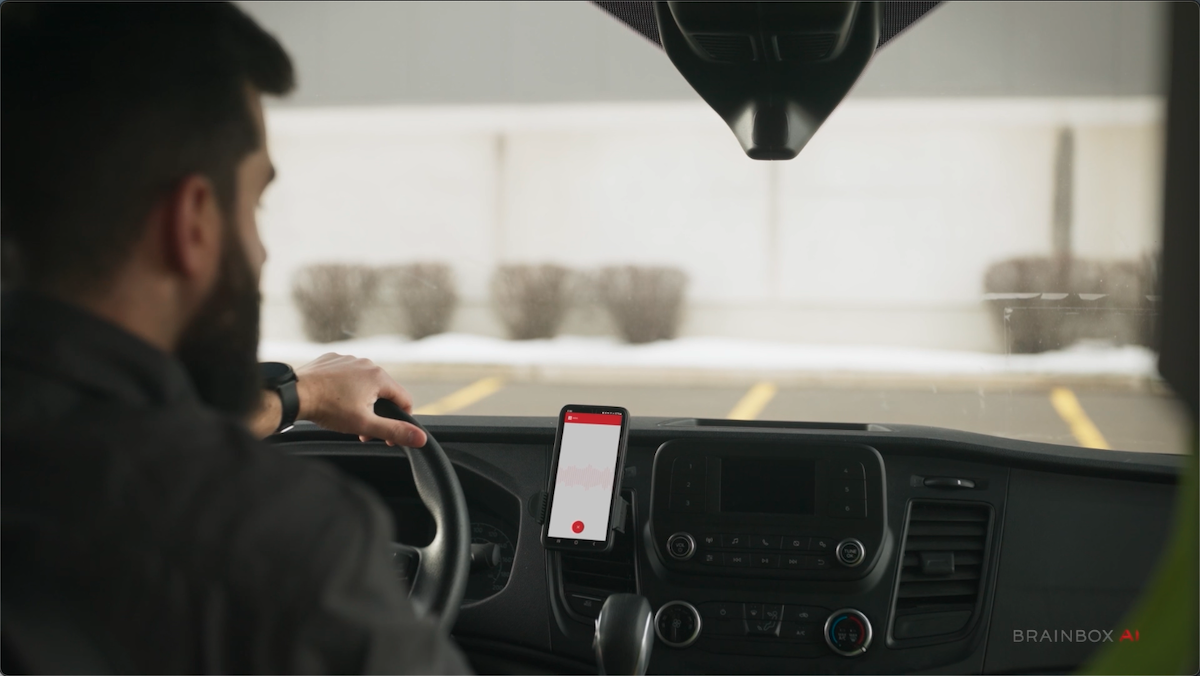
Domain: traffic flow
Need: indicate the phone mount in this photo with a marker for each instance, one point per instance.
(540, 500)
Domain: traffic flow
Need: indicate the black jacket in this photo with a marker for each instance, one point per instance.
(170, 537)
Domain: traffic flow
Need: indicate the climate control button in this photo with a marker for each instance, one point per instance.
(848, 632)
(677, 624)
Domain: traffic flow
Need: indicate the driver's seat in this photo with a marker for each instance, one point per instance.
(40, 627)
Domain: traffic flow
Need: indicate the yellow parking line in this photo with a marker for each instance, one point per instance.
(484, 387)
(1071, 411)
(754, 401)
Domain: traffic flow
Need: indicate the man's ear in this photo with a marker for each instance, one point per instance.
(192, 230)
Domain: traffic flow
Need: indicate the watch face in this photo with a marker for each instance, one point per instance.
(275, 373)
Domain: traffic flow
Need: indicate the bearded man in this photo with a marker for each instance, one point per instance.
(137, 495)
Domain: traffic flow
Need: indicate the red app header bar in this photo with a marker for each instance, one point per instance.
(592, 418)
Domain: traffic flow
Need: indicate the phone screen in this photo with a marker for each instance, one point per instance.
(583, 484)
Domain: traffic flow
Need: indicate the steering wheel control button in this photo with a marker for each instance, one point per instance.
(846, 509)
(677, 624)
(690, 504)
(848, 632)
(850, 552)
(681, 546)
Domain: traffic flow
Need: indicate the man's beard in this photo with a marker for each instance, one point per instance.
(219, 349)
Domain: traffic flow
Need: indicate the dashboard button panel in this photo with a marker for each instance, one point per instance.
(849, 490)
(766, 541)
(687, 484)
(798, 624)
(703, 487)
(692, 504)
(846, 509)
(766, 560)
(735, 542)
(736, 560)
(796, 544)
(691, 464)
(720, 610)
(844, 469)
(801, 632)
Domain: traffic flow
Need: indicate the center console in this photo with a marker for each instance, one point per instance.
(769, 511)
(758, 525)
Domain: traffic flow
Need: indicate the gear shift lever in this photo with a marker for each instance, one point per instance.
(624, 635)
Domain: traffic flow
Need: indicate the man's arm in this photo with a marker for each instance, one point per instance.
(338, 392)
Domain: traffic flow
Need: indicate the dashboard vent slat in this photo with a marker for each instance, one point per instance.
(598, 575)
(955, 536)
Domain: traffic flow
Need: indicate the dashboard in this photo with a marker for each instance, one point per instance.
(790, 547)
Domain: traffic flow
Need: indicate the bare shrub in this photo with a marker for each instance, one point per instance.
(425, 293)
(1072, 299)
(331, 298)
(531, 300)
(646, 303)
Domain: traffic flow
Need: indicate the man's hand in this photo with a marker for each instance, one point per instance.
(338, 392)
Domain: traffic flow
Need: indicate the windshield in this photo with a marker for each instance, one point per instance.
(516, 206)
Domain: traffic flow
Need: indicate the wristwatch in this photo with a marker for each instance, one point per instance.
(282, 379)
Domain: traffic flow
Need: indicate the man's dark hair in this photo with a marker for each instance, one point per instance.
(104, 108)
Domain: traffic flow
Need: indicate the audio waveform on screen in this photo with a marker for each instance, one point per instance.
(585, 477)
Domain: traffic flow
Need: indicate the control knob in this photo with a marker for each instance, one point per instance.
(677, 624)
(848, 632)
(850, 552)
(681, 546)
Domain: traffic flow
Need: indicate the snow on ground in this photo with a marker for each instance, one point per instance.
(723, 354)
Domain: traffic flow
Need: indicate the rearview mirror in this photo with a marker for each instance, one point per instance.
(772, 70)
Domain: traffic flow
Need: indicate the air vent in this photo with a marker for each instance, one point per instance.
(805, 47)
(726, 47)
(588, 579)
(942, 567)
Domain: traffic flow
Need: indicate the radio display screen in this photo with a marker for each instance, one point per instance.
(768, 485)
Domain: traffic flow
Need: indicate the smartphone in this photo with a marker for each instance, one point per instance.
(585, 477)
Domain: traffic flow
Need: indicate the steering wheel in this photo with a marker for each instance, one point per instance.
(438, 571)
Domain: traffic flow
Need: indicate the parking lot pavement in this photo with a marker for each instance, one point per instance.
(1133, 421)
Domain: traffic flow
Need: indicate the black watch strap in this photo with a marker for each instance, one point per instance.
(290, 405)
(282, 379)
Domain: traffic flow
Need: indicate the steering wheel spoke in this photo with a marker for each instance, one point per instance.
(407, 560)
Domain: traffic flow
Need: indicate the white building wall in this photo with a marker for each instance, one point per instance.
(878, 233)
